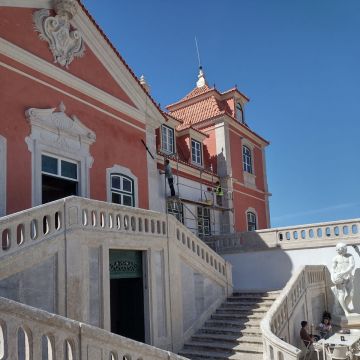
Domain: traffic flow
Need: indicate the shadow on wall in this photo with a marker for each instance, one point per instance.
(256, 265)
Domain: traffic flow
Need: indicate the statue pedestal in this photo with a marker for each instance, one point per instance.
(352, 321)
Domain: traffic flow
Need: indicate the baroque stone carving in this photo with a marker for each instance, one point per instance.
(342, 275)
(64, 43)
(67, 132)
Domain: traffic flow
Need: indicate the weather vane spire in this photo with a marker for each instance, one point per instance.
(201, 77)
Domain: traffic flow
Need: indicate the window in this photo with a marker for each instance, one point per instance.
(176, 208)
(59, 178)
(167, 139)
(122, 190)
(251, 221)
(203, 214)
(240, 113)
(196, 152)
(247, 160)
(65, 143)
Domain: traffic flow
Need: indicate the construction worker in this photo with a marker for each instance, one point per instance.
(169, 176)
(219, 193)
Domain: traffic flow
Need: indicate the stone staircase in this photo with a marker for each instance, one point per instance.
(233, 331)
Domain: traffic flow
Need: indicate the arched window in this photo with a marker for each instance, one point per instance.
(122, 190)
(247, 160)
(239, 113)
(251, 221)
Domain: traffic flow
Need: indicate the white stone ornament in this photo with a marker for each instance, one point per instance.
(64, 43)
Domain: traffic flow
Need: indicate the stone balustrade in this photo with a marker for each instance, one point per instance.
(31, 226)
(29, 333)
(43, 222)
(294, 237)
(281, 326)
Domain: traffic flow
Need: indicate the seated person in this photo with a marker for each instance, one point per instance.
(304, 334)
(325, 328)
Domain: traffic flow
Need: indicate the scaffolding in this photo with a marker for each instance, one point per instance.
(207, 200)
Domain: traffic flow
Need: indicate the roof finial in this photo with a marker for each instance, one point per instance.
(144, 83)
(201, 77)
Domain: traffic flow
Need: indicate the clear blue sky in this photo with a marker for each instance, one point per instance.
(298, 61)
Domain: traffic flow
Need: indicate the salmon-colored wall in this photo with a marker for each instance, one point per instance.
(114, 139)
(16, 26)
(242, 203)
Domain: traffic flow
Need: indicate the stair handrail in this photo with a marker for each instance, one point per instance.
(44, 222)
(275, 325)
(25, 329)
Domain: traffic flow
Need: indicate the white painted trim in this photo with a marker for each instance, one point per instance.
(48, 69)
(122, 170)
(244, 193)
(70, 95)
(71, 142)
(36, 4)
(117, 69)
(3, 175)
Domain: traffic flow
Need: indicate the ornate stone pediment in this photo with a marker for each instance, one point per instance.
(58, 129)
(64, 43)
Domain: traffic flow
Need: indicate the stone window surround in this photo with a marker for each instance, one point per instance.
(3, 173)
(173, 139)
(252, 210)
(249, 178)
(122, 170)
(201, 163)
(71, 142)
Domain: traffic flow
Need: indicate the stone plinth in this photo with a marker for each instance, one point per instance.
(351, 321)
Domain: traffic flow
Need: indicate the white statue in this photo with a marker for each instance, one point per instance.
(342, 275)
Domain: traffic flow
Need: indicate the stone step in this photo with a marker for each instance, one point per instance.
(224, 346)
(238, 316)
(231, 339)
(245, 309)
(239, 324)
(251, 297)
(253, 331)
(211, 355)
(260, 303)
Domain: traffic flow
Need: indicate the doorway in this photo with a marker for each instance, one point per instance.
(127, 294)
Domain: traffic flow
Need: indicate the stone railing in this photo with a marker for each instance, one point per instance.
(280, 327)
(29, 333)
(295, 237)
(101, 216)
(44, 222)
(31, 226)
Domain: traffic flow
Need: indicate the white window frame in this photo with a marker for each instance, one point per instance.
(247, 164)
(56, 134)
(124, 171)
(58, 175)
(167, 139)
(253, 212)
(121, 191)
(3, 173)
(198, 155)
(239, 111)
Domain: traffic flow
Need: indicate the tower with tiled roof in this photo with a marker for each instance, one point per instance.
(231, 149)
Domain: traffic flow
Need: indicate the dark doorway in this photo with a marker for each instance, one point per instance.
(127, 294)
(54, 188)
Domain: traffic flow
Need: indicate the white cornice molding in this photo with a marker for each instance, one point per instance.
(117, 69)
(42, 66)
(93, 106)
(34, 4)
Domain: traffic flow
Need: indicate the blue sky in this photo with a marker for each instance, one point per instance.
(298, 61)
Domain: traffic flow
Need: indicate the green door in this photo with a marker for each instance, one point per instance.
(127, 294)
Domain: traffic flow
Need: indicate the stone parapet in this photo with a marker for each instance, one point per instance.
(288, 238)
